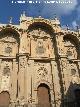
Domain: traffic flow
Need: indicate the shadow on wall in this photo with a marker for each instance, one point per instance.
(72, 97)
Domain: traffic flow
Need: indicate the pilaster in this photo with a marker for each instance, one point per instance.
(22, 76)
(56, 84)
(13, 81)
(0, 72)
(30, 81)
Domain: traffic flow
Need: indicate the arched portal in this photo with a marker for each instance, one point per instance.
(4, 99)
(43, 95)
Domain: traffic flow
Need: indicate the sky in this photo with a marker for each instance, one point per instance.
(67, 13)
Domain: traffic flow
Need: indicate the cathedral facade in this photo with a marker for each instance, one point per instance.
(39, 64)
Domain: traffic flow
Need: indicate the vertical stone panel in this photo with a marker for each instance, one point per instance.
(13, 81)
(56, 91)
(0, 72)
(21, 76)
(30, 81)
(25, 81)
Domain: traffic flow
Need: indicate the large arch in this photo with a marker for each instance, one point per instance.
(74, 40)
(10, 30)
(4, 99)
(9, 41)
(42, 25)
(44, 97)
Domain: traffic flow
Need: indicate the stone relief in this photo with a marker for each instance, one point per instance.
(70, 49)
(75, 79)
(6, 71)
(43, 71)
(5, 83)
(73, 71)
(38, 32)
(8, 50)
(9, 45)
(6, 74)
(40, 48)
(68, 43)
(22, 63)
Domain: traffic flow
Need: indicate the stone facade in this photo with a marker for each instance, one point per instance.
(39, 51)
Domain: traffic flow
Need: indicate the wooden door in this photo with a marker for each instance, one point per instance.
(4, 99)
(43, 96)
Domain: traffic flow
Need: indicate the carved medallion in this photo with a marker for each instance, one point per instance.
(42, 72)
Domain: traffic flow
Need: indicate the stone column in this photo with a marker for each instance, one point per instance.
(21, 76)
(64, 68)
(0, 72)
(25, 82)
(13, 81)
(62, 63)
(30, 82)
(79, 69)
(79, 64)
(56, 84)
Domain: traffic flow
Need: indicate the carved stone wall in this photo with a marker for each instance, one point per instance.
(8, 45)
(38, 51)
(6, 67)
(43, 72)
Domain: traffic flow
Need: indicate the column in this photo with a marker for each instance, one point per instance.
(13, 81)
(30, 82)
(0, 72)
(56, 83)
(21, 76)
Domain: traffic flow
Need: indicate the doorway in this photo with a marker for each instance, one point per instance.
(4, 99)
(43, 96)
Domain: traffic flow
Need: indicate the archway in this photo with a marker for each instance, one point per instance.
(43, 96)
(4, 99)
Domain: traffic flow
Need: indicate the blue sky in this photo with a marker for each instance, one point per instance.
(67, 13)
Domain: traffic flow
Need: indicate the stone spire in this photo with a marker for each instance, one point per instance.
(10, 20)
(23, 17)
(57, 22)
(67, 27)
